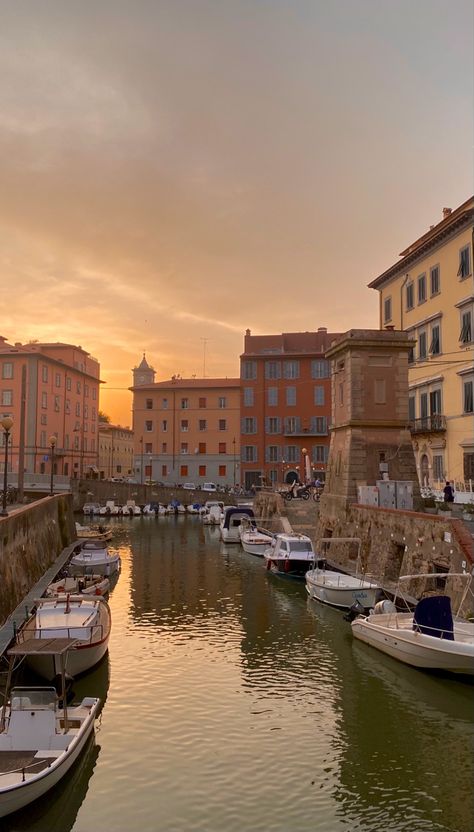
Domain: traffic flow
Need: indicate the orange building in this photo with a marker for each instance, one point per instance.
(115, 451)
(186, 430)
(285, 406)
(60, 384)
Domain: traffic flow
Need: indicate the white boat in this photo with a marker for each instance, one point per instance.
(254, 540)
(93, 532)
(195, 508)
(230, 523)
(89, 509)
(289, 555)
(93, 556)
(87, 620)
(429, 637)
(217, 509)
(130, 509)
(39, 740)
(79, 585)
(336, 588)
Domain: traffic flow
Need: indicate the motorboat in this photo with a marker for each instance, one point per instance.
(130, 509)
(253, 539)
(79, 585)
(86, 619)
(41, 736)
(90, 509)
(289, 555)
(218, 511)
(336, 588)
(430, 636)
(93, 556)
(230, 523)
(195, 508)
(93, 532)
(110, 509)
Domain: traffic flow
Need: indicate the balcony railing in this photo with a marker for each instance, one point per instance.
(306, 432)
(429, 424)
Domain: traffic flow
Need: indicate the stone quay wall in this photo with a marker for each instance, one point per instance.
(99, 491)
(31, 538)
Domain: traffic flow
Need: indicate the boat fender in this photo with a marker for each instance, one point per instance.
(287, 565)
(98, 591)
(269, 564)
(385, 606)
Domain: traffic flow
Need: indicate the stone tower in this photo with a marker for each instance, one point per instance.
(143, 374)
(370, 432)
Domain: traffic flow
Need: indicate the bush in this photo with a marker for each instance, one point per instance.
(468, 508)
(445, 506)
(429, 502)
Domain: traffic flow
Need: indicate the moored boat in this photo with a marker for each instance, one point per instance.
(336, 588)
(94, 556)
(93, 532)
(289, 555)
(79, 585)
(253, 539)
(230, 523)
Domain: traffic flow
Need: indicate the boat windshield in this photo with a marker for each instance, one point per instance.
(301, 546)
(23, 699)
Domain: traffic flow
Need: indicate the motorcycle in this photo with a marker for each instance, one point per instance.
(301, 491)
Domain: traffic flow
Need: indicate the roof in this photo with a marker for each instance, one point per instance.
(288, 343)
(194, 383)
(144, 365)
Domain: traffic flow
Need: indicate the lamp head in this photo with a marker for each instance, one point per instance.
(7, 423)
(52, 441)
(304, 451)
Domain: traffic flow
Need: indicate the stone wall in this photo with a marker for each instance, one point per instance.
(31, 538)
(99, 491)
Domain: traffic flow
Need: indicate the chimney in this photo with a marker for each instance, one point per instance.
(247, 332)
(446, 212)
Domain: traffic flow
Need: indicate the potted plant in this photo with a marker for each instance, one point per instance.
(468, 511)
(444, 509)
(429, 505)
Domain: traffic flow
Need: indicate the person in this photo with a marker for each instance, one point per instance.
(448, 492)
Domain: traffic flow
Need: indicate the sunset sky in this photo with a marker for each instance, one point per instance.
(180, 170)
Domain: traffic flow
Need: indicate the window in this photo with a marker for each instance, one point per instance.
(409, 294)
(411, 408)
(249, 370)
(465, 336)
(438, 467)
(320, 453)
(67, 406)
(272, 369)
(222, 448)
(202, 448)
(148, 447)
(57, 400)
(69, 386)
(434, 280)
(203, 401)
(292, 424)
(86, 392)
(44, 419)
(272, 396)
(423, 405)
(320, 368)
(468, 466)
(44, 373)
(149, 426)
(184, 425)
(272, 453)
(341, 393)
(202, 470)
(164, 447)
(183, 471)
(272, 424)
(422, 345)
(435, 346)
(164, 404)
(7, 397)
(44, 402)
(57, 380)
(164, 425)
(149, 404)
(387, 309)
(411, 355)
(290, 395)
(464, 262)
(164, 470)
(249, 424)
(292, 453)
(94, 394)
(291, 369)
(319, 425)
(248, 397)
(435, 402)
(222, 424)
(184, 447)
(249, 453)
(222, 402)
(468, 397)
(86, 408)
(319, 396)
(421, 283)
(43, 439)
(202, 424)
(94, 414)
(184, 404)
(78, 386)
(222, 470)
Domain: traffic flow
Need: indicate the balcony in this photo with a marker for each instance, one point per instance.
(302, 432)
(429, 424)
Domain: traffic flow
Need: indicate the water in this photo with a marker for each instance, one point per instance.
(233, 702)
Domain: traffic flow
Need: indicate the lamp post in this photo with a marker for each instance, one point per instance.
(141, 460)
(233, 452)
(304, 451)
(7, 424)
(52, 442)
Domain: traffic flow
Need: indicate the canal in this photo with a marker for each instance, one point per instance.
(232, 702)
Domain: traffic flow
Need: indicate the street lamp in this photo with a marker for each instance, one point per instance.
(7, 424)
(52, 442)
(141, 460)
(233, 451)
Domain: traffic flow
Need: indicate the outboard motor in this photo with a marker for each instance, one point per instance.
(385, 606)
(354, 611)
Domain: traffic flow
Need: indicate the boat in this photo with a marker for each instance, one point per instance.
(130, 509)
(253, 539)
(90, 509)
(336, 588)
(217, 507)
(428, 637)
(41, 736)
(289, 555)
(87, 620)
(78, 585)
(93, 532)
(230, 523)
(94, 556)
(195, 508)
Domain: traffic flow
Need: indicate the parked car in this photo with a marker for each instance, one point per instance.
(209, 486)
(190, 486)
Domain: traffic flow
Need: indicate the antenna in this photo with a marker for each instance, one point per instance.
(204, 344)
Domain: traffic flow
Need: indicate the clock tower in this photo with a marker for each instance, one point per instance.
(143, 374)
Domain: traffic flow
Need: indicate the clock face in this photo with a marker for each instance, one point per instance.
(141, 379)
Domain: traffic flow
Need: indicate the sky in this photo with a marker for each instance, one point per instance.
(173, 172)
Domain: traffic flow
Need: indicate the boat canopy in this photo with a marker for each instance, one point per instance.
(433, 617)
(233, 513)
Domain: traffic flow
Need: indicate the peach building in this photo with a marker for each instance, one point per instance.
(429, 293)
(60, 384)
(115, 451)
(186, 430)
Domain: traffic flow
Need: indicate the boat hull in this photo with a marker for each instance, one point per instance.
(80, 660)
(107, 566)
(257, 549)
(326, 590)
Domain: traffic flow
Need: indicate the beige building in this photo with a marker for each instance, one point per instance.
(115, 451)
(429, 293)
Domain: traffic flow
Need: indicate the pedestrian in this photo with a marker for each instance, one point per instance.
(448, 492)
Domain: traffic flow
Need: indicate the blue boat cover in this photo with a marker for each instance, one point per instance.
(433, 617)
(231, 512)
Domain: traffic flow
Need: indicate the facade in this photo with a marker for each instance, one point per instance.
(285, 406)
(186, 430)
(59, 385)
(429, 293)
(115, 451)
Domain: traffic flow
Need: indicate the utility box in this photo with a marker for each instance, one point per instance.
(387, 493)
(368, 495)
(404, 495)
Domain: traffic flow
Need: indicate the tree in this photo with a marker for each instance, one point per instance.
(103, 417)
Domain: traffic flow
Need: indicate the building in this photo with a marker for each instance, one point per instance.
(429, 293)
(59, 385)
(186, 430)
(116, 452)
(285, 406)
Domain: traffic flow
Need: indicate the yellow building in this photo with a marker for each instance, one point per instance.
(429, 292)
(115, 451)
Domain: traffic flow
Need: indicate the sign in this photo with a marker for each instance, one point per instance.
(46, 458)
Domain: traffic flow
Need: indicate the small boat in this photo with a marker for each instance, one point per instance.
(89, 509)
(230, 523)
(336, 588)
(290, 555)
(93, 532)
(79, 585)
(194, 508)
(94, 556)
(217, 509)
(428, 637)
(40, 736)
(252, 539)
(85, 619)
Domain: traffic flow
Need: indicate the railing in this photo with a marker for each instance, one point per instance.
(428, 424)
